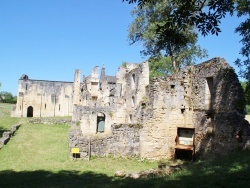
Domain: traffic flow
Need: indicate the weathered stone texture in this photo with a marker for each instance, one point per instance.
(124, 140)
(50, 121)
(206, 99)
(42, 98)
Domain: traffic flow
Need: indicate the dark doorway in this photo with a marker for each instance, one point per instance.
(184, 148)
(30, 111)
(100, 122)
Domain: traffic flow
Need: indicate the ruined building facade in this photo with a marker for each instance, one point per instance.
(101, 101)
(198, 111)
(43, 98)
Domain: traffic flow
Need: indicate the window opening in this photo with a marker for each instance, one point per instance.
(100, 122)
(208, 93)
(133, 101)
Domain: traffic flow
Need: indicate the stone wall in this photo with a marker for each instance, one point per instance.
(50, 121)
(124, 141)
(8, 134)
(43, 98)
(207, 97)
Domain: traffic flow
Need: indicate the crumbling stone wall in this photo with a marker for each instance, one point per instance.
(222, 128)
(207, 97)
(117, 97)
(123, 141)
(50, 121)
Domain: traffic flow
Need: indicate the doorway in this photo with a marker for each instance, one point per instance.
(184, 148)
(30, 111)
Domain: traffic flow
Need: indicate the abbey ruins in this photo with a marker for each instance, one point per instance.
(198, 111)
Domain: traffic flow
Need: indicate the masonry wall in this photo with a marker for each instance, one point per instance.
(207, 97)
(124, 140)
(220, 127)
(113, 99)
(41, 98)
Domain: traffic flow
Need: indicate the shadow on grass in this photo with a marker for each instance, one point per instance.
(2, 130)
(72, 179)
(230, 171)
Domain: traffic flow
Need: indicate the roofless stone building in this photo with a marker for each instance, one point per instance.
(198, 111)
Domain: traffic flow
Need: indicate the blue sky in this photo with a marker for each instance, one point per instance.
(49, 39)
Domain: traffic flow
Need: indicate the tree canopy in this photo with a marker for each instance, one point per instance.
(176, 43)
(7, 97)
(205, 16)
(243, 9)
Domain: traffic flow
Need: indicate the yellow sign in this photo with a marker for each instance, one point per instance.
(75, 150)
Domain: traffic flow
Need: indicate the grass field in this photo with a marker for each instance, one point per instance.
(5, 120)
(37, 156)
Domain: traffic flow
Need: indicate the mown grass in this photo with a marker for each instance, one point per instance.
(5, 120)
(38, 156)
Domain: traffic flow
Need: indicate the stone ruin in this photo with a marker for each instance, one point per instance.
(196, 112)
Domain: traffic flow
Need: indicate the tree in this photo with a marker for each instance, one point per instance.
(243, 9)
(159, 66)
(202, 14)
(176, 44)
(7, 97)
(246, 87)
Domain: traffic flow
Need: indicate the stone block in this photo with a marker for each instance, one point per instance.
(4, 140)
(7, 134)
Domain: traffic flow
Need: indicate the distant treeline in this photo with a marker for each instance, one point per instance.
(7, 97)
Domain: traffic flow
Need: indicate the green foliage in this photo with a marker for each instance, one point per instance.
(124, 64)
(7, 97)
(247, 92)
(78, 123)
(243, 9)
(205, 15)
(176, 44)
(246, 87)
(159, 67)
(248, 109)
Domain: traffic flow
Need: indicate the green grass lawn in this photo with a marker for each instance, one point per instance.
(5, 120)
(38, 156)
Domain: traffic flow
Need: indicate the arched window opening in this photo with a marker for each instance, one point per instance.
(100, 122)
